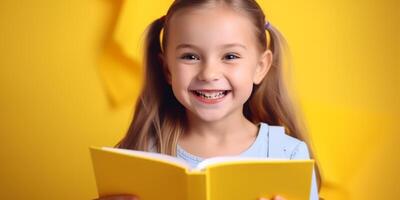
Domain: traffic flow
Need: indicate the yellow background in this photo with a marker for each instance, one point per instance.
(67, 82)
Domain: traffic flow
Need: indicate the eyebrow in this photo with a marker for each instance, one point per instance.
(222, 46)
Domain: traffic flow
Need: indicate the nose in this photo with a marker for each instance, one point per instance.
(209, 72)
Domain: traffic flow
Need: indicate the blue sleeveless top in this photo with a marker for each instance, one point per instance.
(271, 142)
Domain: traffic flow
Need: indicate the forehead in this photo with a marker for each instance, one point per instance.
(210, 26)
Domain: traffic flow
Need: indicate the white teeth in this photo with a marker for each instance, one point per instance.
(210, 95)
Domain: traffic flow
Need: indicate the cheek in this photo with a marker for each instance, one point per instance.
(242, 81)
(179, 85)
(181, 77)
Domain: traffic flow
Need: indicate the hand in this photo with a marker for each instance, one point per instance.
(273, 198)
(118, 197)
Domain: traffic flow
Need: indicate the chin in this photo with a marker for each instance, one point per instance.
(211, 116)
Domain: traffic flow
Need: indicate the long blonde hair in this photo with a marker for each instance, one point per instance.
(160, 118)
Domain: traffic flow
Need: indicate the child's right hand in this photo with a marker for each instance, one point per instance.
(273, 198)
(118, 197)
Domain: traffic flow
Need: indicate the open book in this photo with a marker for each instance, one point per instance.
(154, 176)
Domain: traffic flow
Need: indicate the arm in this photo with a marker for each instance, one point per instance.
(301, 152)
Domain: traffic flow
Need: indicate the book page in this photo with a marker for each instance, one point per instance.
(151, 155)
(230, 159)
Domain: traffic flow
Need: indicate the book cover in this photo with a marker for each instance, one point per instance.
(153, 176)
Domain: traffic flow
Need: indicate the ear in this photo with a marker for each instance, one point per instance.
(166, 72)
(263, 66)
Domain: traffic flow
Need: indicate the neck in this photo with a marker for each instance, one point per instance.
(220, 131)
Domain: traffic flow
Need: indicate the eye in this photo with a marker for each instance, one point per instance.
(189, 56)
(231, 56)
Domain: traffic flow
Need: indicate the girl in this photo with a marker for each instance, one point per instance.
(213, 87)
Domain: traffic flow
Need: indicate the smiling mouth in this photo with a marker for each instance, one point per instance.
(210, 94)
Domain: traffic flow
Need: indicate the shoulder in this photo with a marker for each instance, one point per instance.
(282, 145)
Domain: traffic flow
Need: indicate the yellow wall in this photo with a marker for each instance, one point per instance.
(54, 103)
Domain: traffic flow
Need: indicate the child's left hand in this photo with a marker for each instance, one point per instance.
(273, 198)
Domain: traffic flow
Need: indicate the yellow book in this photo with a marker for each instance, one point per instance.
(154, 176)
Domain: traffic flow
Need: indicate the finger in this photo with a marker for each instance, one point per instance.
(263, 198)
(277, 197)
(119, 197)
(126, 197)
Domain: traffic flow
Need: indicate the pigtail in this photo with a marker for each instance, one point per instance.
(145, 119)
(159, 118)
(271, 102)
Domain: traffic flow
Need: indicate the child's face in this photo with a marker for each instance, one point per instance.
(212, 61)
